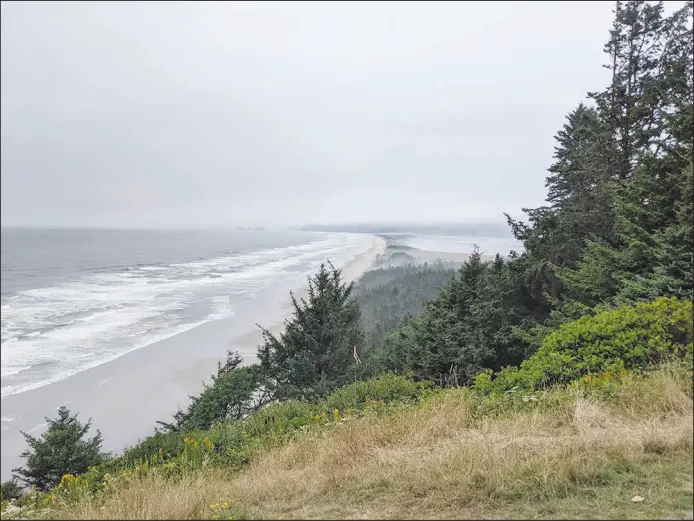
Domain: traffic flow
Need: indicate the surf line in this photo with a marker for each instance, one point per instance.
(36, 428)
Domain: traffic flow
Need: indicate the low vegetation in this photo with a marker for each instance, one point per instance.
(62, 449)
(628, 338)
(583, 451)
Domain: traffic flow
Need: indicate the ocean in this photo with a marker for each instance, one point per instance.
(75, 299)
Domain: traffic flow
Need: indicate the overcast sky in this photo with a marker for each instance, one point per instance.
(223, 113)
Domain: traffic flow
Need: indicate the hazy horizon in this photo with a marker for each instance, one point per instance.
(217, 115)
(499, 222)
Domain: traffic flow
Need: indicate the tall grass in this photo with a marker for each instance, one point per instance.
(571, 454)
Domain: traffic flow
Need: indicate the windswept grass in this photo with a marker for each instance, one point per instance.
(570, 454)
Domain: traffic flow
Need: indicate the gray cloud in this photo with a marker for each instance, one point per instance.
(229, 113)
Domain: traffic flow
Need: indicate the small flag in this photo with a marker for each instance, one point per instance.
(356, 355)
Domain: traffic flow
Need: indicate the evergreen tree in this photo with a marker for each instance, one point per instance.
(628, 107)
(581, 207)
(11, 490)
(617, 226)
(471, 325)
(60, 450)
(314, 354)
(234, 393)
(649, 106)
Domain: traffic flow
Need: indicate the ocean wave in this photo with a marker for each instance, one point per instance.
(14, 370)
(68, 328)
(8, 390)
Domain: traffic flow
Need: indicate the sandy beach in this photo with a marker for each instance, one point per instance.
(125, 397)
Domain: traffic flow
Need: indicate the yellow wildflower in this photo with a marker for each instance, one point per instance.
(65, 480)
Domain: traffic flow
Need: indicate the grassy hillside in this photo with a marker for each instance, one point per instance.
(582, 451)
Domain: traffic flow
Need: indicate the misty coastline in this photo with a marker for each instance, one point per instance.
(127, 395)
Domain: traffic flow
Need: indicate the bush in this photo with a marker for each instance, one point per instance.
(388, 388)
(628, 338)
(235, 392)
(230, 397)
(235, 442)
(60, 450)
(11, 490)
(168, 444)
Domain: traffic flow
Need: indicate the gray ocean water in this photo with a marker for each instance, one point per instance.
(74, 299)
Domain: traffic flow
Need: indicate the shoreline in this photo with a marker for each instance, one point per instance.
(125, 396)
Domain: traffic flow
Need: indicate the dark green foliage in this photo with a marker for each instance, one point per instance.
(236, 441)
(476, 322)
(314, 354)
(618, 228)
(579, 195)
(387, 388)
(388, 299)
(234, 393)
(170, 443)
(11, 490)
(628, 338)
(60, 450)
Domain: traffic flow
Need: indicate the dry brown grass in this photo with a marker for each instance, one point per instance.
(579, 458)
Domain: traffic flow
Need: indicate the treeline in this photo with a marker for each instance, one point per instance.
(314, 354)
(616, 228)
(390, 297)
(614, 238)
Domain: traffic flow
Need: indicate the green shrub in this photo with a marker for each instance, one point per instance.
(61, 449)
(234, 443)
(628, 338)
(388, 388)
(11, 490)
(169, 444)
(232, 395)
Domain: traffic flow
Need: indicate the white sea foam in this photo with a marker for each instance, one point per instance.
(15, 370)
(56, 377)
(51, 333)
